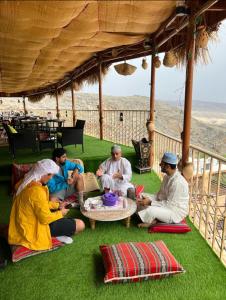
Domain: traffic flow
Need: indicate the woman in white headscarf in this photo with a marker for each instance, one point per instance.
(34, 219)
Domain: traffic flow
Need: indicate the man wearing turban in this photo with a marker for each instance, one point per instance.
(170, 204)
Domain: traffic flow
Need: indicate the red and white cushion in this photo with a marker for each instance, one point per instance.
(21, 252)
(139, 190)
(181, 227)
(125, 262)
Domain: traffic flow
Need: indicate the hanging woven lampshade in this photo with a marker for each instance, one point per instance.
(202, 38)
(125, 69)
(157, 62)
(144, 64)
(170, 59)
(114, 52)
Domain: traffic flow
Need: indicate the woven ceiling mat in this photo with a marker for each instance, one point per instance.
(91, 77)
(52, 38)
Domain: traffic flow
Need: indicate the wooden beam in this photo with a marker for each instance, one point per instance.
(188, 92)
(24, 105)
(57, 105)
(151, 122)
(100, 102)
(73, 104)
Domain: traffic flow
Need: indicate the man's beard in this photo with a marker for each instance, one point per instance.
(163, 170)
(62, 163)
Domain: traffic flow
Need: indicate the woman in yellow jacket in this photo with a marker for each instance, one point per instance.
(34, 219)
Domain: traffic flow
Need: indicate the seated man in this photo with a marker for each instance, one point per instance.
(170, 205)
(66, 183)
(34, 219)
(115, 173)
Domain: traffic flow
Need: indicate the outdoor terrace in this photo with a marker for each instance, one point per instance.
(76, 270)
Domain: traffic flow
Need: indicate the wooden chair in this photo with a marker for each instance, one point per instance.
(69, 136)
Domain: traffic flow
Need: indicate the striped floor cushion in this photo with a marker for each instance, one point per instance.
(181, 227)
(139, 190)
(20, 252)
(126, 262)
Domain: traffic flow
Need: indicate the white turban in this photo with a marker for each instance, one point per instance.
(41, 168)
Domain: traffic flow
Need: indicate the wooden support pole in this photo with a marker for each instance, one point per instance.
(57, 105)
(151, 121)
(73, 104)
(100, 102)
(188, 92)
(24, 104)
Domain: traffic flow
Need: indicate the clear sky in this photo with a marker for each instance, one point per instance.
(209, 80)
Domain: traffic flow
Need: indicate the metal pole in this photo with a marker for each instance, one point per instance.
(100, 102)
(150, 123)
(73, 104)
(188, 92)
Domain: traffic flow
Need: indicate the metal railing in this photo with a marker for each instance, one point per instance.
(120, 126)
(207, 205)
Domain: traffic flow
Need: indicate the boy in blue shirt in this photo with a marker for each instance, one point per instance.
(66, 183)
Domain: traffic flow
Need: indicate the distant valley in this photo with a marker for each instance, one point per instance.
(208, 119)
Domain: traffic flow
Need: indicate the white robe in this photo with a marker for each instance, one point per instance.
(111, 167)
(170, 205)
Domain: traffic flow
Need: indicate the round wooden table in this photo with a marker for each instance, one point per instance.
(111, 215)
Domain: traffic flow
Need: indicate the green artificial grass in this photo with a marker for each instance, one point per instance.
(76, 271)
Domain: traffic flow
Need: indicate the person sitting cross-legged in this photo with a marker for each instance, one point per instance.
(170, 204)
(115, 173)
(34, 219)
(62, 185)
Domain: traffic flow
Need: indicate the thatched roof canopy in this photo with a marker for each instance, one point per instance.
(44, 45)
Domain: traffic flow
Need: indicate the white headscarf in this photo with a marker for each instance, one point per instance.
(41, 168)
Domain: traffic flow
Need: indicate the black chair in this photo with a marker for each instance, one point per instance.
(45, 140)
(80, 124)
(22, 139)
(69, 136)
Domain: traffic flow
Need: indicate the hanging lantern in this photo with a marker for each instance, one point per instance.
(125, 69)
(144, 64)
(170, 59)
(114, 52)
(202, 38)
(76, 86)
(157, 62)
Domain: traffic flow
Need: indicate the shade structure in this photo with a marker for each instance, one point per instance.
(41, 41)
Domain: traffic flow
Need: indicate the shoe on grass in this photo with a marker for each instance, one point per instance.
(65, 239)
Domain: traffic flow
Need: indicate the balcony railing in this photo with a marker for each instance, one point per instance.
(207, 205)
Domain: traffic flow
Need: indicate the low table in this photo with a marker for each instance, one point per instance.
(111, 215)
